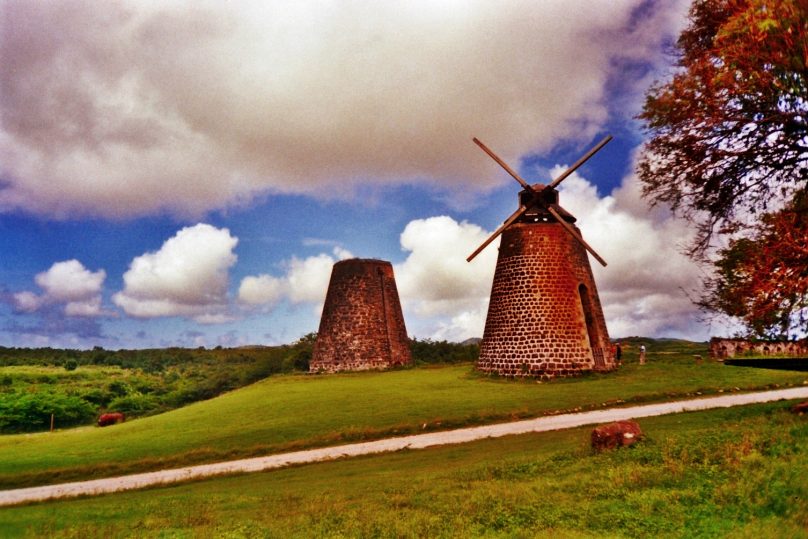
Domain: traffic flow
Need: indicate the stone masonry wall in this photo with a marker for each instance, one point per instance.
(726, 348)
(362, 325)
(536, 324)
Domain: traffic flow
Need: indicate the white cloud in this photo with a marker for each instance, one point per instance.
(127, 108)
(27, 301)
(187, 277)
(304, 281)
(307, 280)
(260, 290)
(68, 283)
(89, 307)
(445, 296)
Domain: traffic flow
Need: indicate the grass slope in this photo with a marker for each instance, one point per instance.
(291, 412)
(734, 472)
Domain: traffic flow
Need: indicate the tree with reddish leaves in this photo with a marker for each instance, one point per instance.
(728, 150)
(763, 279)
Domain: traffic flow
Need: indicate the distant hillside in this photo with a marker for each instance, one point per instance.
(77, 385)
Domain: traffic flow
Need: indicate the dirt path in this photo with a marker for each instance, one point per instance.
(418, 441)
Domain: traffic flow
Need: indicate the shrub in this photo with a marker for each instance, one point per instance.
(27, 412)
(118, 388)
(429, 351)
(97, 397)
(134, 405)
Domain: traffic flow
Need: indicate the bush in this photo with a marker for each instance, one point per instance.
(28, 412)
(429, 351)
(134, 405)
(97, 397)
(71, 365)
(118, 388)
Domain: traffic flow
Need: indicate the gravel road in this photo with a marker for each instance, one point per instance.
(417, 441)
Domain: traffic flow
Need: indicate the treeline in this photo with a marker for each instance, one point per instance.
(259, 361)
(430, 352)
(272, 358)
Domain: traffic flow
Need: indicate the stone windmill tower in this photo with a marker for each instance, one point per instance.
(544, 318)
(362, 326)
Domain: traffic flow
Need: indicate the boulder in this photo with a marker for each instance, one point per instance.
(617, 434)
(800, 408)
(112, 418)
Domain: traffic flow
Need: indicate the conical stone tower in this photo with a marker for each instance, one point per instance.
(362, 325)
(544, 317)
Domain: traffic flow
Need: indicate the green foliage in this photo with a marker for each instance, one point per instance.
(144, 382)
(97, 397)
(22, 412)
(118, 388)
(429, 351)
(134, 405)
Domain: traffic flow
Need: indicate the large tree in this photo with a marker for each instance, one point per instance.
(729, 151)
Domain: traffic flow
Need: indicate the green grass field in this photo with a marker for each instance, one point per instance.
(297, 411)
(726, 473)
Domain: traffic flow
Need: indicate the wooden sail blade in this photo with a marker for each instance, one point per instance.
(580, 161)
(503, 164)
(575, 235)
(514, 216)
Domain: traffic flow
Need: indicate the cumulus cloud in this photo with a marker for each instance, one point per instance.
(446, 296)
(188, 276)
(304, 281)
(27, 302)
(129, 108)
(68, 284)
(260, 290)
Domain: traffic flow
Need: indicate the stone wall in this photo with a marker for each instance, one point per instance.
(726, 348)
(362, 325)
(544, 318)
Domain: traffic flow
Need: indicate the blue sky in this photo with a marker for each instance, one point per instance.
(186, 174)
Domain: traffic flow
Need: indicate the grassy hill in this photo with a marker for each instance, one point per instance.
(295, 411)
(76, 386)
(736, 472)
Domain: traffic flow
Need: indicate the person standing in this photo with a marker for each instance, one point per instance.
(618, 354)
(642, 354)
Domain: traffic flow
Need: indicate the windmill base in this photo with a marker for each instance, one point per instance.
(544, 318)
(541, 371)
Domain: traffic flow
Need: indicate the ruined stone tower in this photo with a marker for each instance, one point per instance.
(362, 326)
(544, 317)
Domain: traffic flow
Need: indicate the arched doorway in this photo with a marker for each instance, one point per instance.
(591, 326)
